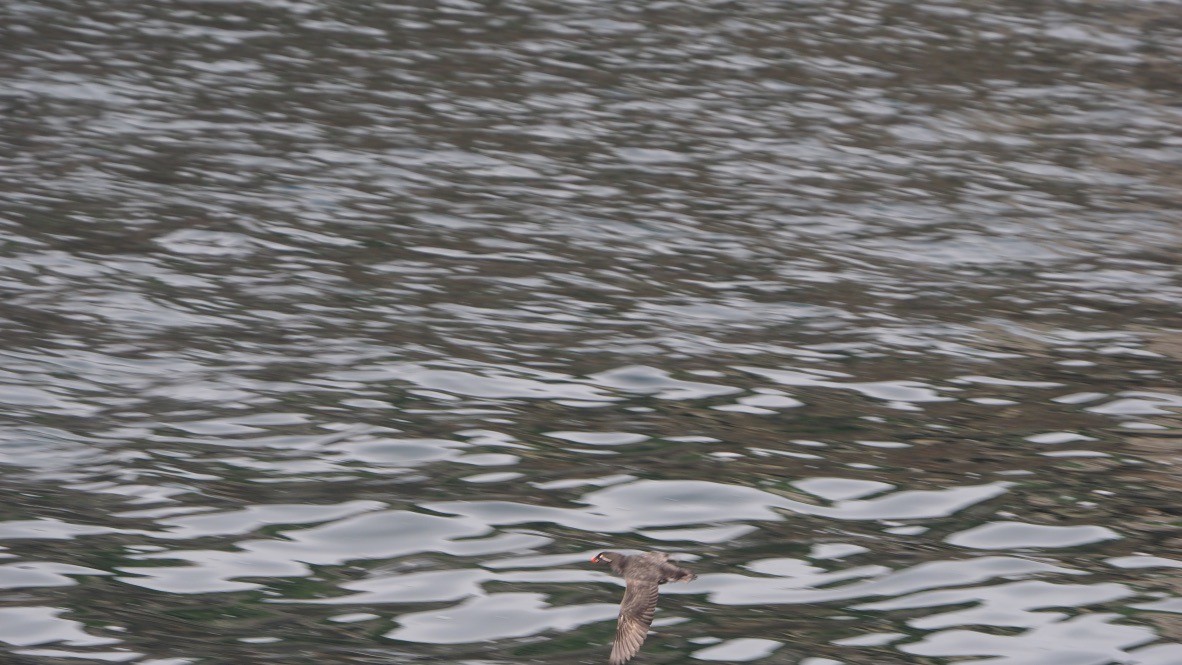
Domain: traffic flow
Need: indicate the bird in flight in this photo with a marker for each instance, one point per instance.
(642, 573)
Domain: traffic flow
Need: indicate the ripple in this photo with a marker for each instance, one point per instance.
(1143, 562)
(1010, 535)
(497, 616)
(209, 243)
(902, 392)
(49, 529)
(42, 574)
(229, 523)
(599, 438)
(1004, 604)
(1092, 639)
(646, 504)
(652, 380)
(803, 583)
(1139, 403)
(400, 452)
(741, 649)
(29, 626)
(374, 535)
(839, 489)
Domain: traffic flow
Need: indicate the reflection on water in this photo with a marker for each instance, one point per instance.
(347, 332)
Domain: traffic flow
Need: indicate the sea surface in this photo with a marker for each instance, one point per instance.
(341, 333)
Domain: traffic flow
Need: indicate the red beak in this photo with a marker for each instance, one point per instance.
(595, 559)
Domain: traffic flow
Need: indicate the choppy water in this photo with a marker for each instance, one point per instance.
(346, 332)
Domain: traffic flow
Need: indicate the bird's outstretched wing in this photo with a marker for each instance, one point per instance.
(636, 614)
(671, 572)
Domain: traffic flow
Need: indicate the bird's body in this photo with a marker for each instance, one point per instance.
(643, 573)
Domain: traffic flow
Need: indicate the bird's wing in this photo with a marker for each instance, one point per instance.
(674, 573)
(636, 614)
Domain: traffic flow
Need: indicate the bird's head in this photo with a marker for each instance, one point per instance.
(604, 557)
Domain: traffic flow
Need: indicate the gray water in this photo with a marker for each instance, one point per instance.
(346, 332)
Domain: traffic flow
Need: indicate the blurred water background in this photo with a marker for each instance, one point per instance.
(345, 332)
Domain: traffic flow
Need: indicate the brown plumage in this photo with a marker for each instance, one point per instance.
(642, 573)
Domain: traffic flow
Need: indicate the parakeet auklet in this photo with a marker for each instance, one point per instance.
(643, 573)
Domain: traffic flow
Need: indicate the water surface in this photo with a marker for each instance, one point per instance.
(348, 332)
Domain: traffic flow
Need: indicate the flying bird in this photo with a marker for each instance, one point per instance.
(643, 573)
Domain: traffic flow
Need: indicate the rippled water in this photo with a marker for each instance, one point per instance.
(346, 332)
